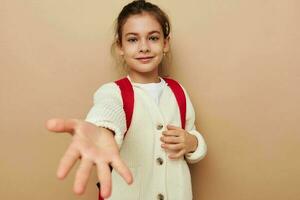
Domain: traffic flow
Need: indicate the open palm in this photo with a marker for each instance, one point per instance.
(94, 146)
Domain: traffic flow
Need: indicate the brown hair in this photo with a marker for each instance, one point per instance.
(139, 7)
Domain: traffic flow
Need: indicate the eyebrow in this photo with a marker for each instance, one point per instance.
(151, 32)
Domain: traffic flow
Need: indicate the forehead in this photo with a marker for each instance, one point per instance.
(141, 24)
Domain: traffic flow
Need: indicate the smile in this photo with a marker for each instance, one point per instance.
(144, 59)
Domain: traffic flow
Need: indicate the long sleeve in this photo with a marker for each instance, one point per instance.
(190, 127)
(108, 112)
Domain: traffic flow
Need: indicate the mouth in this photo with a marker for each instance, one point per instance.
(145, 59)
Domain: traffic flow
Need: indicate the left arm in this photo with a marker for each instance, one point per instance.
(201, 150)
(189, 142)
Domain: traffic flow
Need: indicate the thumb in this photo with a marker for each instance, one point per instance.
(62, 125)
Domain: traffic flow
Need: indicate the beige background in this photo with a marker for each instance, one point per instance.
(239, 61)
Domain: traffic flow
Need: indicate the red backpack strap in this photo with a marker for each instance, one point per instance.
(180, 97)
(128, 105)
(128, 99)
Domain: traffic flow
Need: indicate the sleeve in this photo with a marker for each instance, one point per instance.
(108, 112)
(190, 127)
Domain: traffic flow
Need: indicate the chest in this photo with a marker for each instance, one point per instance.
(149, 118)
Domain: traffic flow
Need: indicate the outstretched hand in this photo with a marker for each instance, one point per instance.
(94, 146)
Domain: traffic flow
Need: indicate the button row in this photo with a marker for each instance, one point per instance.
(160, 161)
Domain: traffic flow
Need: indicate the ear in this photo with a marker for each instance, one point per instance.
(166, 44)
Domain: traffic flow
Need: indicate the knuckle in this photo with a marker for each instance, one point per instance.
(75, 144)
(79, 127)
(116, 158)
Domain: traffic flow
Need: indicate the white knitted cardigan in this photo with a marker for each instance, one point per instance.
(108, 113)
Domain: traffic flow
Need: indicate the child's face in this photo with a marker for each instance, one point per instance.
(143, 43)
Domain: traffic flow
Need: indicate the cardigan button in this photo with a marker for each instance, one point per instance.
(160, 197)
(159, 161)
(159, 126)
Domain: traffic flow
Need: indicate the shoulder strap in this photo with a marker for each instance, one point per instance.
(128, 104)
(128, 99)
(180, 97)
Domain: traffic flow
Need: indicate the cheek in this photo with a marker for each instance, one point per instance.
(129, 50)
(158, 48)
(159, 53)
(160, 57)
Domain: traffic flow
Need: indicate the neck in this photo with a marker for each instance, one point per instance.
(144, 77)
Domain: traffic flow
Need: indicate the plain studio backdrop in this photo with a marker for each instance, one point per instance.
(238, 59)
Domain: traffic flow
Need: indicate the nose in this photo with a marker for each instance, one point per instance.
(144, 46)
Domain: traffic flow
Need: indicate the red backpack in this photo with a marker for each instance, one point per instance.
(128, 103)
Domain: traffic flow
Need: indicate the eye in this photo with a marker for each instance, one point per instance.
(154, 38)
(131, 40)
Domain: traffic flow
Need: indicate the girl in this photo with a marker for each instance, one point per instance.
(153, 156)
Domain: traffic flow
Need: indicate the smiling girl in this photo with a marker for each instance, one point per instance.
(142, 126)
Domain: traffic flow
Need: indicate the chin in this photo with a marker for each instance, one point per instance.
(144, 68)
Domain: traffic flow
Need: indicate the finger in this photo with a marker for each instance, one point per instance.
(177, 155)
(67, 162)
(173, 146)
(122, 169)
(171, 133)
(104, 176)
(172, 127)
(170, 139)
(62, 125)
(82, 176)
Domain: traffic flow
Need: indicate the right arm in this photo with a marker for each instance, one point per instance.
(96, 140)
(108, 112)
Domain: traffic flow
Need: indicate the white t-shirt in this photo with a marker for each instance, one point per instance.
(153, 89)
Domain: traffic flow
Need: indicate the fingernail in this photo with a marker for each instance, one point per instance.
(51, 123)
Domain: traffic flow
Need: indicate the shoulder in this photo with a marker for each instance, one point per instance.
(174, 81)
(109, 89)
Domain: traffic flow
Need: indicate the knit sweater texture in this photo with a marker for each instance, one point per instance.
(155, 175)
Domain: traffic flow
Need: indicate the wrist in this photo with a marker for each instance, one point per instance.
(107, 131)
(192, 144)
